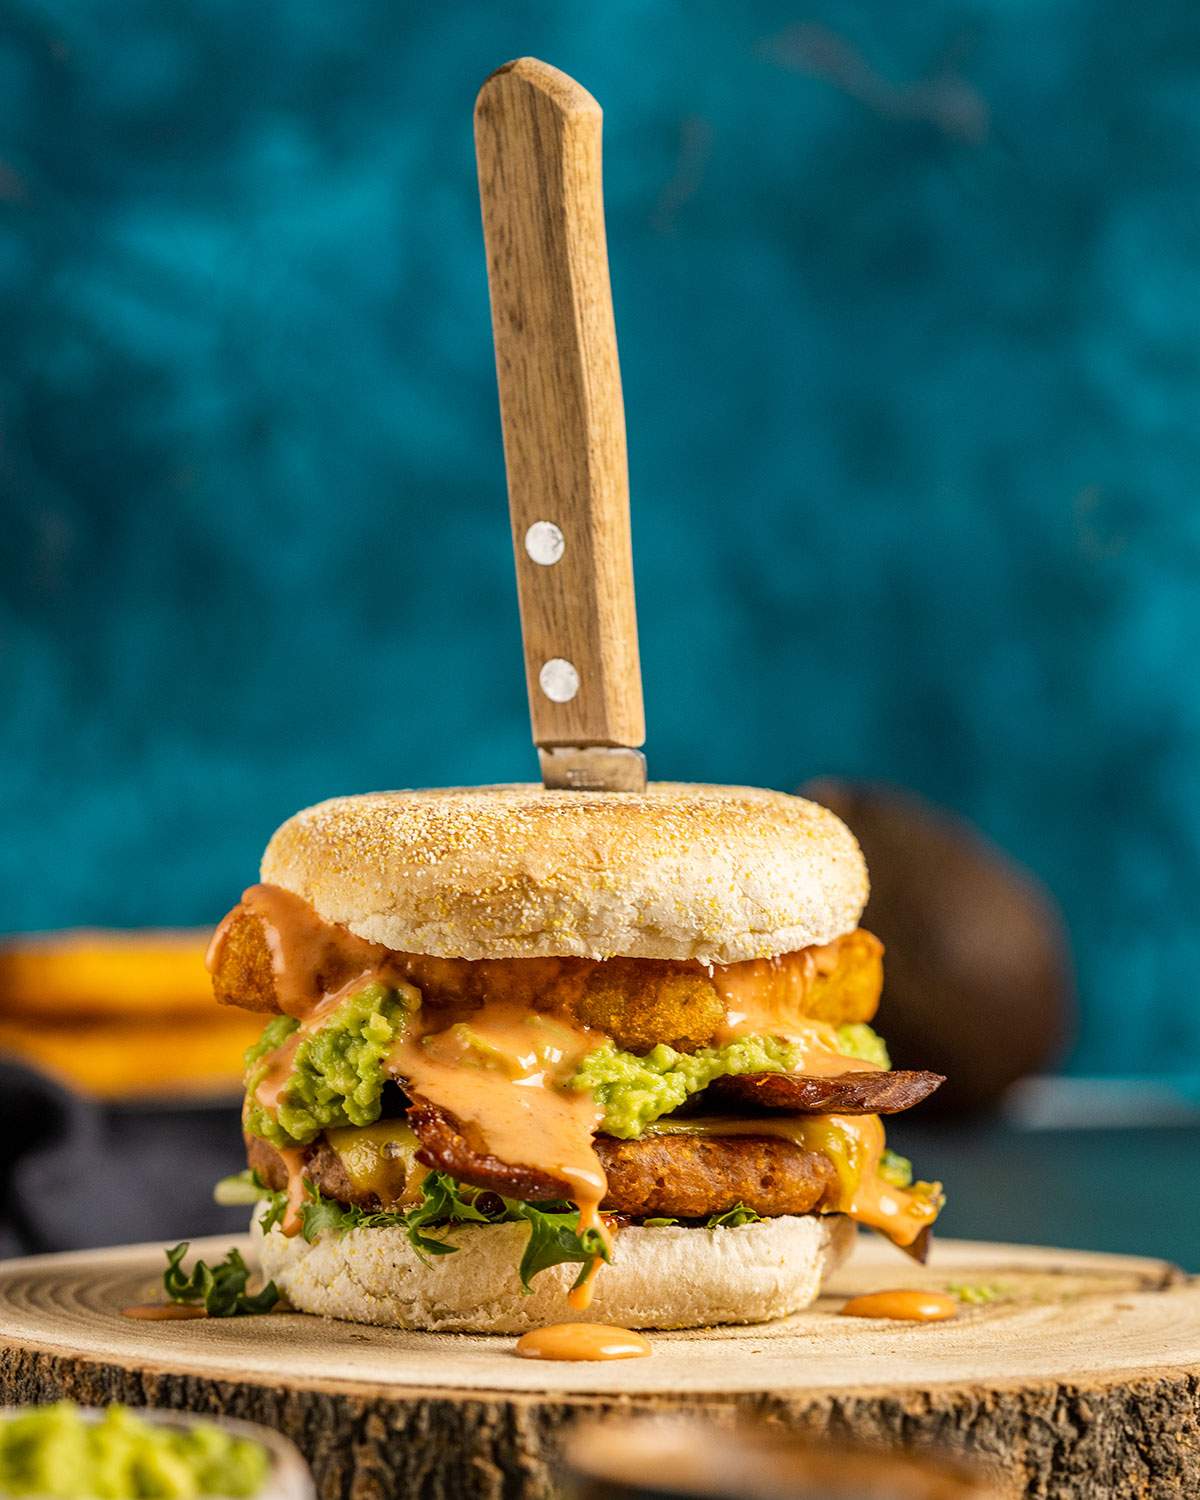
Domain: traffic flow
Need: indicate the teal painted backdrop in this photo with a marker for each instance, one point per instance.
(909, 307)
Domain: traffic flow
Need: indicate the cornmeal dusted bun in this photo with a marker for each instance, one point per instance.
(715, 873)
(669, 1277)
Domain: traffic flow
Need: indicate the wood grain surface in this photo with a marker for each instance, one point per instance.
(537, 140)
(1080, 1377)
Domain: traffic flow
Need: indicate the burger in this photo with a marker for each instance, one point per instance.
(538, 1055)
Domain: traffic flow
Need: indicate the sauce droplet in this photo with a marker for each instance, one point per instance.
(580, 1296)
(908, 1305)
(162, 1312)
(582, 1341)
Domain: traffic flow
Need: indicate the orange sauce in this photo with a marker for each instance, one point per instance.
(163, 1312)
(906, 1304)
(578, 1341)
(311, 959)
(896, 1212)
(293, 1160)
(771, 995)
(500, 1073)
(279, 1070)
(764, 994)
(580, 1295)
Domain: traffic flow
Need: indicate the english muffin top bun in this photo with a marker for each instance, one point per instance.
(715, 873)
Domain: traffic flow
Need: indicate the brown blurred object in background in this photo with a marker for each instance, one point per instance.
(650, 1459)
(977, 973)
(121, 1014)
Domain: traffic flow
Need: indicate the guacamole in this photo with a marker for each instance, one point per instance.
(55, 1451)
(635, 1091)
(857, 1039)
(338, 1071)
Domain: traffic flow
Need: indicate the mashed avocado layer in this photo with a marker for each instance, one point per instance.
(857, 1039)
(338, 1070)
(636, 1091)
(53, 1452)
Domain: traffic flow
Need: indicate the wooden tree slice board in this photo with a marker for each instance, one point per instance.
(1081, 1377)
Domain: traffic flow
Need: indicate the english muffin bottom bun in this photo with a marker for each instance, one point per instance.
(659, 1278)
(535, 1055)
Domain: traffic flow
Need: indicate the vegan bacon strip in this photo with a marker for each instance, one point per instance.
(847, 1094)
(446, 1148)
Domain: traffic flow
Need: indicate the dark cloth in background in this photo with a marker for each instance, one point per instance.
(75, 1174)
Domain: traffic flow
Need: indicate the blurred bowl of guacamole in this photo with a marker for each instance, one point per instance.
(69, 1452)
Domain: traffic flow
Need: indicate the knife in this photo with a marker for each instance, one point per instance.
(537, 144)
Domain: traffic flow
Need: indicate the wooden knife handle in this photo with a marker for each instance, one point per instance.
(537, 140)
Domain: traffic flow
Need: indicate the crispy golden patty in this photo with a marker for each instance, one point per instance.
(681, 1177)
(690, 1177)
(639, 1002)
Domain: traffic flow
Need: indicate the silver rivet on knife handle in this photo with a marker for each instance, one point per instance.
(537, 140)
(559, 680)
(544, 543)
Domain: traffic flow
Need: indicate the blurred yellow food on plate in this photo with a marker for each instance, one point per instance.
(138, 1059)
(121, 1014)
(89, 972)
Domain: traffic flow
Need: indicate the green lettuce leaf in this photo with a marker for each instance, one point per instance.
(241, 1188)
(221, 1288)
(895, 1169)
(445, 1201)
(857, 1039)
(554, 1234)
(555, 1239)
(734, 1218)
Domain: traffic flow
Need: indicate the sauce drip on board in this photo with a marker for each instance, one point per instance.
(906, 1304)
(162, 1312)
(580, 1341)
